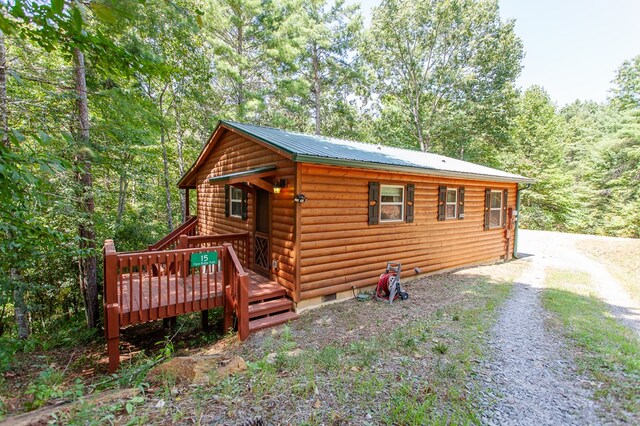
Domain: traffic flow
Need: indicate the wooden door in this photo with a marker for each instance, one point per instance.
(262, 233)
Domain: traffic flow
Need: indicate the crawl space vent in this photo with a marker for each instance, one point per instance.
(329, 297)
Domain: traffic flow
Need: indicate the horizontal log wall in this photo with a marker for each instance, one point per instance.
(339, 249)
(235, 153)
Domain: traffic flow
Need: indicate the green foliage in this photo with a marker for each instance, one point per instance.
(48, 385)
(627, 84)
(538, 152)
(447, 68)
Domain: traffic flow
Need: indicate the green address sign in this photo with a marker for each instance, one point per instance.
(204, 259)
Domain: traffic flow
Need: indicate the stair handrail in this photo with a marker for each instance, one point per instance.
(171, 239)
(236, 292)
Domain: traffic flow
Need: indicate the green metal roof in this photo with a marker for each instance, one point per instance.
(324, 150)
(246, 173)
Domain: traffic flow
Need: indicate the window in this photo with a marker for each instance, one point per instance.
(235, 202)
(452, 203)
(391, 203)
(495, 209)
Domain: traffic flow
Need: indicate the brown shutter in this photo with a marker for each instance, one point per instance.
(374, 201)
(411, 189)
(245, 204)
(504, 207)
(487, 208)
(461, 203)
(442, 203)
(227, 197)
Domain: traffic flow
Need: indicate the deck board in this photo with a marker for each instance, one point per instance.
(184, 292)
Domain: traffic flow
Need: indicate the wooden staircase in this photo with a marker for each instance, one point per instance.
(269, 306)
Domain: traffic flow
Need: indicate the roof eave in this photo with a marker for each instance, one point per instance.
(301, 158)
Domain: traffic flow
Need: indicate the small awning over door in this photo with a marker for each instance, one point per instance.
(253, 176)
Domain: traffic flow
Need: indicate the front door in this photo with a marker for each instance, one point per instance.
(262, 233)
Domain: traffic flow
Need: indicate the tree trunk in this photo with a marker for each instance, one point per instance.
(87, 271)
(19, 305)
(316, 88)
(240, 94)
(180, 146)
(424, 145)
(4, 110)
(165, 176)
(122, 196)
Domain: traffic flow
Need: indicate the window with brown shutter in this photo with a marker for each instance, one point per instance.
(442, 203)
(411, 189)
(495, 210)
(450, 203)
(505, 193)
(374, 197)
(487, 208)
(227, 200)
(245, 205)
(461, 203)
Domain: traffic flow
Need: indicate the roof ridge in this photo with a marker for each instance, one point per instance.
(305, 147)
(315, 136)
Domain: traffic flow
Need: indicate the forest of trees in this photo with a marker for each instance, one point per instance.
(105, 103)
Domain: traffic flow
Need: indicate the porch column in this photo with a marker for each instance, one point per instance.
(186, 205)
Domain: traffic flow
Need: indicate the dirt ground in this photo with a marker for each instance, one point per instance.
(322, 369)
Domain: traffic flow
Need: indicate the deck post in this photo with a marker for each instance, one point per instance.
(204, 320)
(247, 242)
(111, 307)
(227, 321)
(243, 306)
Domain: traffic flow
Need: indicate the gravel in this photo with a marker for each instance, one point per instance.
(530, 378)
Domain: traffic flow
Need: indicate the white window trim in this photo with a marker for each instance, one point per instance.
(448, 203)
(401, 204)
(232, 200)
(499, 209)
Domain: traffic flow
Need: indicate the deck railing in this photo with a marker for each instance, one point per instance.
(236, 294)
(239, 241)
(189, 227)
(145, 286)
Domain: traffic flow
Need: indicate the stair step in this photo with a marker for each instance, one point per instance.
(269, 307)
(264, 322)
(266, 293)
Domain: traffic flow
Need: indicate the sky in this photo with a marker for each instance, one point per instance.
(572, 47)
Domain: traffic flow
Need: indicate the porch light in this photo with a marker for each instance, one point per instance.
(300, 198)
(277, 187)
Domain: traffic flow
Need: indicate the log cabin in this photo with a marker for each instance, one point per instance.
(297, 220)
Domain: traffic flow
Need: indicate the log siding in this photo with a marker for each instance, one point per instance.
(340, 249)
(234, 153)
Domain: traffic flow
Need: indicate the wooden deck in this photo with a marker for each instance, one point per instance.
(194, 288)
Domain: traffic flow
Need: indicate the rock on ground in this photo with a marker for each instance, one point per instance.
(195, 370)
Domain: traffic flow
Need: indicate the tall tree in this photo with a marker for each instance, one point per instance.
(19, 305)
(330, 63)
(88, 274)
(437, 58)
(627, 84)
(538, 152)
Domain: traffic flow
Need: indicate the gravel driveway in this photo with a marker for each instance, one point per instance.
(558, 250)
(530, 378)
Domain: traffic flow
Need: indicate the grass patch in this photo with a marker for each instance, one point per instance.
(418, 372)
(609, 351)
